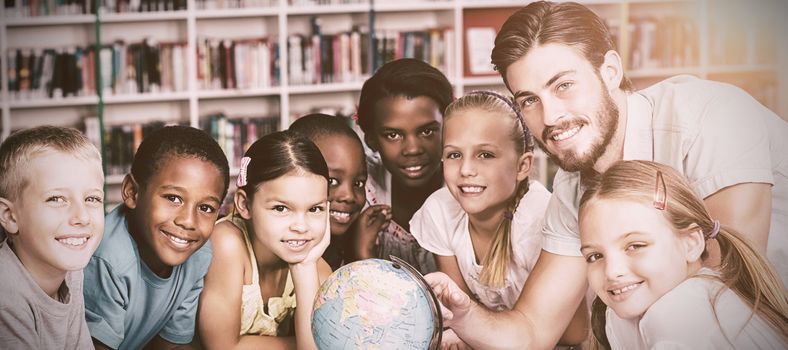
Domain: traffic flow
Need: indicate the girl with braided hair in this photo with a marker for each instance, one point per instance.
(484, 225)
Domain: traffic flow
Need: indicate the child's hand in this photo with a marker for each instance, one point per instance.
(454, 302)
(317, 251)
(450, 341)
(371, 221)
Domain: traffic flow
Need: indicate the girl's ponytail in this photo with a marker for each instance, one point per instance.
(745, 271)
(496, 261)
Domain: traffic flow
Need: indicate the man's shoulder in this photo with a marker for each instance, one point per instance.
(681, 86)
(685, 98)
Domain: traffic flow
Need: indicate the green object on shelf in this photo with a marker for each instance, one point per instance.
(100, 92)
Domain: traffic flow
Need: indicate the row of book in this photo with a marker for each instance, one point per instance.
(742, 43)
(345, 57)
(234, 135)
(51, 73)
(320, 59)
(663, 42)
(145, 67)
(141, 67)
(34, 8)
(234, 4)
(324, 2)
(237, 64)
(125, 6)
(435, 46)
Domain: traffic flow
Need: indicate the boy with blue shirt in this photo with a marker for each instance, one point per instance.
(143, 283)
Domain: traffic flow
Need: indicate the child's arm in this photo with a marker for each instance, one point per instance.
(371, 221)
(219, 316)
(307, 276)
(449, 266)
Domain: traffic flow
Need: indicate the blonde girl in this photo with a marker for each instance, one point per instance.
(484, 226)
(644, 235)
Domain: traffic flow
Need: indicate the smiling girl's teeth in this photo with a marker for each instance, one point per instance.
(73, 241)
(625, 289)
(471, 189)
(295, 243)
(339, 214)
(413, 168)
(566, 134)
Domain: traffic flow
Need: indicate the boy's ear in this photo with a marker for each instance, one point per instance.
(371, 142)
(694, 244)
(7, 216)
(242, 203)
(130, 191)
(612, 71)
(524, 164)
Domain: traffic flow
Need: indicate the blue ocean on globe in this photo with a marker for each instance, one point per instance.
(374, 304)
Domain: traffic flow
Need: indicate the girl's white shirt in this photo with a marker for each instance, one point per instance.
(684, 318)
(441, 226)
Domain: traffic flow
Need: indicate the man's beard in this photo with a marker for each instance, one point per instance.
(607, 118)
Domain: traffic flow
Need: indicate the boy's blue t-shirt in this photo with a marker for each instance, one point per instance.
(126, 304)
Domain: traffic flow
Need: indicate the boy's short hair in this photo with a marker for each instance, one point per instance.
(317, 125)
(17, 150)
(178, 141)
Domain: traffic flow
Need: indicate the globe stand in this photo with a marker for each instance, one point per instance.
(437, 320)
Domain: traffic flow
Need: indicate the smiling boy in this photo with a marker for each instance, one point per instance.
(144, 282)
(51, 209)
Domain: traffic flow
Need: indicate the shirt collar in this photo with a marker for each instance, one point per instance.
(638, 140)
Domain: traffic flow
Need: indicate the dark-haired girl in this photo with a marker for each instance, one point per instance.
(267, 255)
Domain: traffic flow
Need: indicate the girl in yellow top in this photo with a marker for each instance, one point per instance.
(266, 256)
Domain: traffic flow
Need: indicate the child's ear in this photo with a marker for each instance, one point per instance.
(241, 201)
(130, 191)
(694, 244)
(524, 165)
(371, 142)
(7, 216)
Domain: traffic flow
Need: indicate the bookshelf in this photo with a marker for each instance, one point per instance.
(656, 38)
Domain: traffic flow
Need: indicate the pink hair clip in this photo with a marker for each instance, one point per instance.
(660, 192)
(241, 181)
(714, 231)
(355, 116)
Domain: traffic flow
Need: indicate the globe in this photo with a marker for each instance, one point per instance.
(376, 304)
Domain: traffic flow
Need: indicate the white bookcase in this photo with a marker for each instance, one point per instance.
(283, 19)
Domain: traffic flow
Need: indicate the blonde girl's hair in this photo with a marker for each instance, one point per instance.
(499, 255)
(743, 269)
